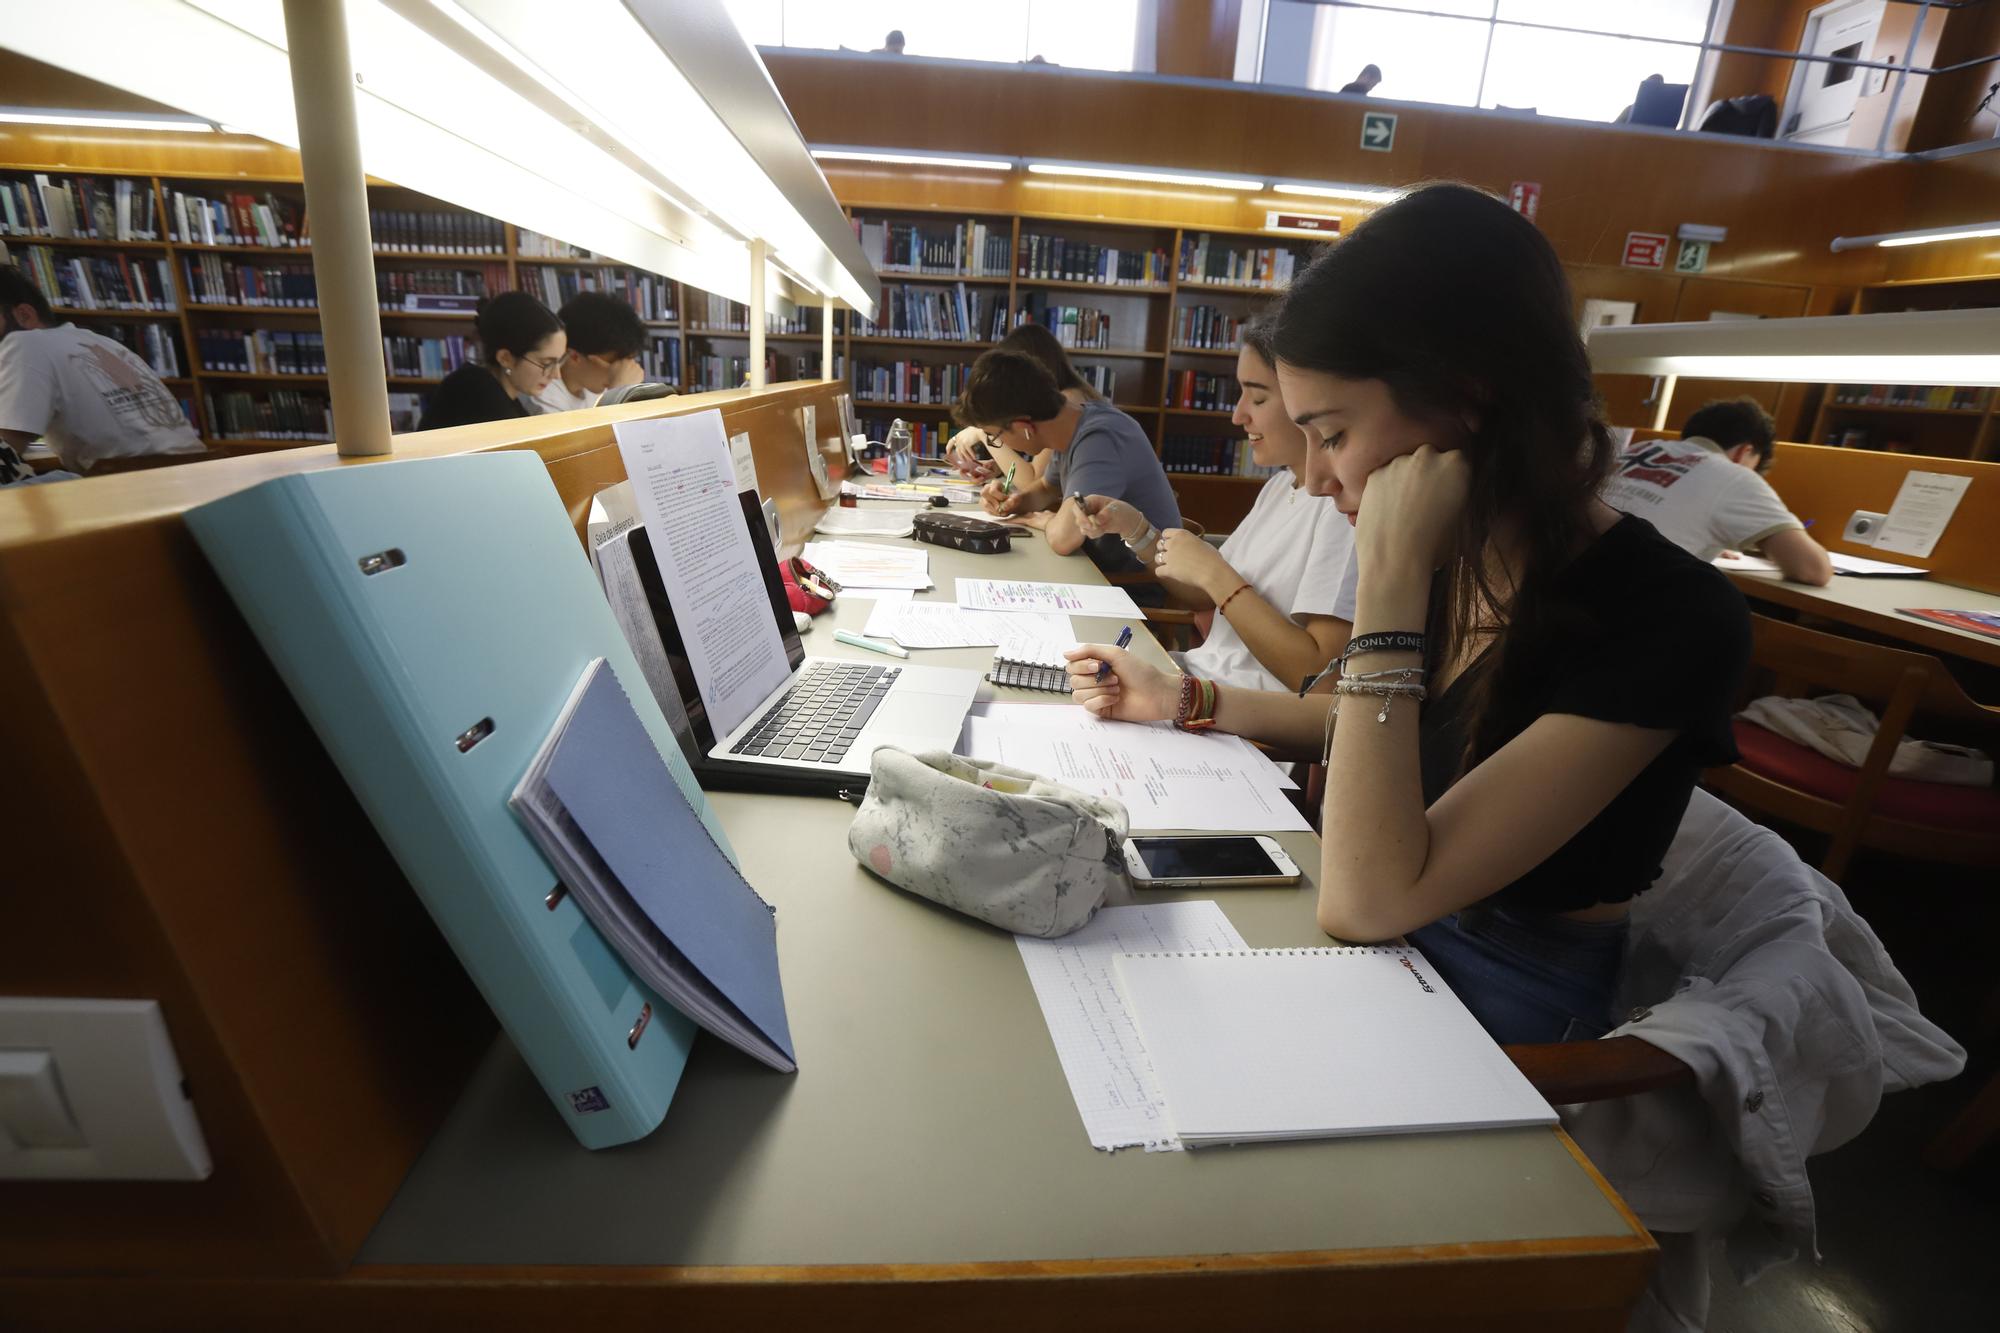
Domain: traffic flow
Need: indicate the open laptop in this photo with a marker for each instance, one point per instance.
(818, 730)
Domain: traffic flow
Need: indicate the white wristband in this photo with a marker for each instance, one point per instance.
(1146, 538)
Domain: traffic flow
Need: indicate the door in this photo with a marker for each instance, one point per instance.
(1821, 100)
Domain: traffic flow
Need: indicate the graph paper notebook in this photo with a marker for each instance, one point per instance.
(1371, 1042)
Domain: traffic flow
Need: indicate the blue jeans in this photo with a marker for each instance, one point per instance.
(1528, 976)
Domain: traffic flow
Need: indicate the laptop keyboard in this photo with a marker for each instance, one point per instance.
(819, 719)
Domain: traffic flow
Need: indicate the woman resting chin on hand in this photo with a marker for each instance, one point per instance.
(1534, 681)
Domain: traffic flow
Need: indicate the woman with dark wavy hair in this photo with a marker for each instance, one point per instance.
(1535, 681)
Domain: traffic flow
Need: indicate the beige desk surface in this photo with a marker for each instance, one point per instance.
(929, 1122)
(1871, 604)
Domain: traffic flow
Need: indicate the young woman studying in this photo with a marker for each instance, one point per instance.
(1535, 681)
(523, 344)
(1097, 450)
(1276, 584)
(1038, 342)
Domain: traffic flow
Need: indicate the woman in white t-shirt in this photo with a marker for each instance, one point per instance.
(1276, 584)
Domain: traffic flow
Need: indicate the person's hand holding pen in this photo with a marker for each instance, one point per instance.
(1114, 683)
(1100, 515)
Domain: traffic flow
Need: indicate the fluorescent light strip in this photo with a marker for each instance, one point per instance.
(912, 159)
(1150, 177)
(92, 120)
(1967, 232)
(1366, 194)
(1879, 368)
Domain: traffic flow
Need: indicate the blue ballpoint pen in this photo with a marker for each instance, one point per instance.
(1124, 641)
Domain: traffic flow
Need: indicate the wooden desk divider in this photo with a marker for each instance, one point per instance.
(183, 837)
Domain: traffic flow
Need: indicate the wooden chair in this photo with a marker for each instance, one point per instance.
(1596, 1071)
(1865, 807)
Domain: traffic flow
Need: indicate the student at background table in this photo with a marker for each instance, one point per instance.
(1706, 492)
(523, 344)
(90, 397)
(1038, 342)
(1277, 582)
(1535, 681)
(603, 338)
(1097, 450)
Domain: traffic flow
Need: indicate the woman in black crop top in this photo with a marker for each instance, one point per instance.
(1577, 670)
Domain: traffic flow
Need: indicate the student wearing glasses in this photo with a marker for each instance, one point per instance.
(1535, 681)
(523, 342)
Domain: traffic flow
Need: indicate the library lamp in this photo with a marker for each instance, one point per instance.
(1905, 347)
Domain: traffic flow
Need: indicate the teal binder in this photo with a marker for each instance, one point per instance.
(432, 617)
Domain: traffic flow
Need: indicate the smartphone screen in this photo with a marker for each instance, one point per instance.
(1204, 858)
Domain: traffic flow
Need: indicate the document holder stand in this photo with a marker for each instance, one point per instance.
(432, 617)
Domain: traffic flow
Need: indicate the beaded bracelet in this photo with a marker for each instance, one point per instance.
(1222, 607)
(1197, 710)
(1387, 693)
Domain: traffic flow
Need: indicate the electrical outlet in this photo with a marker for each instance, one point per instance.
(1863, 525)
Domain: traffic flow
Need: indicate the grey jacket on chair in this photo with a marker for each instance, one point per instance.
(1750, 967)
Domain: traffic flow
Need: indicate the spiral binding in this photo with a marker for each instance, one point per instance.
(1029, 675)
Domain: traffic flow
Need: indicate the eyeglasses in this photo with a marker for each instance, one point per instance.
(546, 367)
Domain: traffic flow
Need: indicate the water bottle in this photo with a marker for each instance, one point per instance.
(900, 467)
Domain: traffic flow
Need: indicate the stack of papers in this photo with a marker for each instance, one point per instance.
(1166, 778)
(1019, 636)
(838, 522)
(601, 804)
(1105, 1062)
(863, 565)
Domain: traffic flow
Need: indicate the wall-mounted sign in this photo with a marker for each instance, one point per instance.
(1525, 198)
(1645, 249)
(1302, 224)
(1378, 131)
(1693, 257)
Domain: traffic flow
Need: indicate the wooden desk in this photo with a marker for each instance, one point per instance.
(1870, 604)
(927, 1164)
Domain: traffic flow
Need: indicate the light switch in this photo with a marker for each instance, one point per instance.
(91, 1090)
(33, 1113)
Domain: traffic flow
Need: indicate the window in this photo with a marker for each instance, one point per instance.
(1099, 34)
(1504, 53)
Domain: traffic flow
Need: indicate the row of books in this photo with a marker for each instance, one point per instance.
(156, 342)
(427, 358)
(236, 219)
(1206, 259)
(908, 381)
(534, 245)
(969, 249)
(436, 233)
(718, 372)
(1201, 391)
(661, 358)
(647, 293)
(99, 281)
(1101, 378)
(277, 414)
(952, 314)
(1943, 396)
(79, 207)
(406, 410)
(719, 314)
(1060, 259)
(394, 286)
(263, 351)
(218, 280)
(1073, 325)
(1211, 456)
(1206, 326)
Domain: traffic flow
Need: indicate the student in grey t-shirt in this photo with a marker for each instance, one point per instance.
(1097, 449)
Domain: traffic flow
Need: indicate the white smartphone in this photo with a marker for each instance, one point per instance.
(1217, 861)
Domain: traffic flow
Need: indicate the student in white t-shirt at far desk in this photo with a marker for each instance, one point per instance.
(85, 394)
(1277, 584)
(1706, 492)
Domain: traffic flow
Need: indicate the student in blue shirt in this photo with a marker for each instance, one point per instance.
(1094, 449)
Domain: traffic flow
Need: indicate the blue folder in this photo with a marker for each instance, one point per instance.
(432, 617)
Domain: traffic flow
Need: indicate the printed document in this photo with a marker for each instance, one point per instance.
(686, 493)
(1166, 778)
(1083, 599)
(1020, 636)
(1109, 1072)
(1923, 506)
(863, 565)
